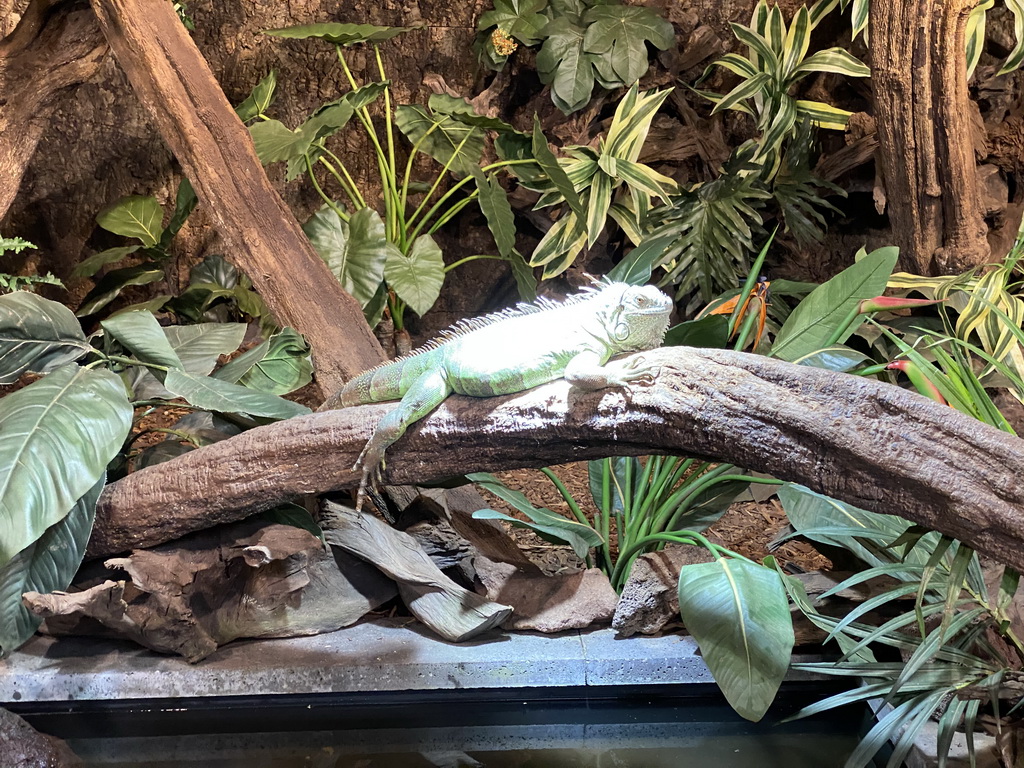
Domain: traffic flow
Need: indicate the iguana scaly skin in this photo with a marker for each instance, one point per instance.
(513, 351)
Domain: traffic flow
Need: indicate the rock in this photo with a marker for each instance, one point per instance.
(22, 746)
(548, 603)
(248, 579)
(649, 599)
(993, 192)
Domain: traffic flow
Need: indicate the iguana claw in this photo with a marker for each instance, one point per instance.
(639, 371)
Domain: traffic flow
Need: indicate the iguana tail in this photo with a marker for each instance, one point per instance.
(388, 381)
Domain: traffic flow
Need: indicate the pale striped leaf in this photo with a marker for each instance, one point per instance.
(859, 17)
(597, 206)
(646, 179)
(833, 60)
(758, 45)
(974, 34)
(797, 41)
(1016, 57)
(745, 90)
(735, 63)
(823, 115)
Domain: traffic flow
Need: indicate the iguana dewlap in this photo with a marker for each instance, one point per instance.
(512, 351)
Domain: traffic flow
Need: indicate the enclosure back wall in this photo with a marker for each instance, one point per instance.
(100, 145)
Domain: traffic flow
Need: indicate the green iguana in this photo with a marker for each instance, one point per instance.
(512, 351)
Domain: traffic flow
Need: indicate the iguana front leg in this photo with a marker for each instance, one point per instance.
(587, 372)
(423, 396)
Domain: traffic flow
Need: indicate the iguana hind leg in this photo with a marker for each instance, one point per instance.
(423, 396)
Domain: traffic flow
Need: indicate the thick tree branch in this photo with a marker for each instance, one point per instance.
(871, 444)
(56, 46)
(174, 83)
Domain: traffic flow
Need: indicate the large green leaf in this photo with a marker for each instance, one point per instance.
(46, 565)
(57, 435)
(185, 201)
(199, 346)
(138, 216)
(708, 332)
(617, 33)
(549, 525)
(738, 613)
(36, 335)
(416, 277)
(817, 319)
(111, 284)
(435, 132)
(864, 533)
(339, 34)
(355, 251)
(225, 397)
(564, 64)
(553, 170)
(259, 100)
(283, 367)
(498, 212)
(93, 264)
(275, 142)
(141, 334)
(517, 18)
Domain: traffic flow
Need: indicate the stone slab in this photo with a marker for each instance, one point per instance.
(379, 655)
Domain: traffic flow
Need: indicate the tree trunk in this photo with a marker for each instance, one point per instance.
(174, 83)
(55, 47)
(922, 109)
(867, 443)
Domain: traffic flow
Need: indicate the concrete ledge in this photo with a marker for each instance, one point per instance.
(382, 655)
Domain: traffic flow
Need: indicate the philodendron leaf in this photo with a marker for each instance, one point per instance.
(216, 395)
(617, 33)
(46, 565)
(564, 64)
(275, 142)
(436, 133)
(138, 216)
(115, 281)
(283, 365)
(738, 613)
(417, 276)
(355, 251)
(498, 212)
(339, 34)
(141, 334)
(816, 320)
(520, 19)
(57, 436)
(36, 335)
(90, 266)
(259, 100)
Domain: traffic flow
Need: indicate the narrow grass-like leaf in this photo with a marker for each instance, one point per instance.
(549, 164)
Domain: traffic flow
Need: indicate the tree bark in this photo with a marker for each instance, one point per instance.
(56, 46)
(174, 83)
(867, 443)
(922, 109)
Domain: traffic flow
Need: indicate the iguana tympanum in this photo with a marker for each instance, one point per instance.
(512, 351)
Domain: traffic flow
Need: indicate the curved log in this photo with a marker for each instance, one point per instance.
(865, 442)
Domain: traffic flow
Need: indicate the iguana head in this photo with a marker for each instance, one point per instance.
(636, 316)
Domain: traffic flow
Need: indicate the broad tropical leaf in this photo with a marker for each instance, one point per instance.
(46, 565)
(57, 436)
(36, 335)
(435, 132)
(283, 367)
(216, 395)
(111, 284)
(138, 216)
(617, 33)
(339, 34)
(564, 64)
(520, 19)
(498, 212)
(355, 251)
(738, 613)
(93, 264)
(417, 276)
(816, 322)
(141, 334)
(259, 100)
